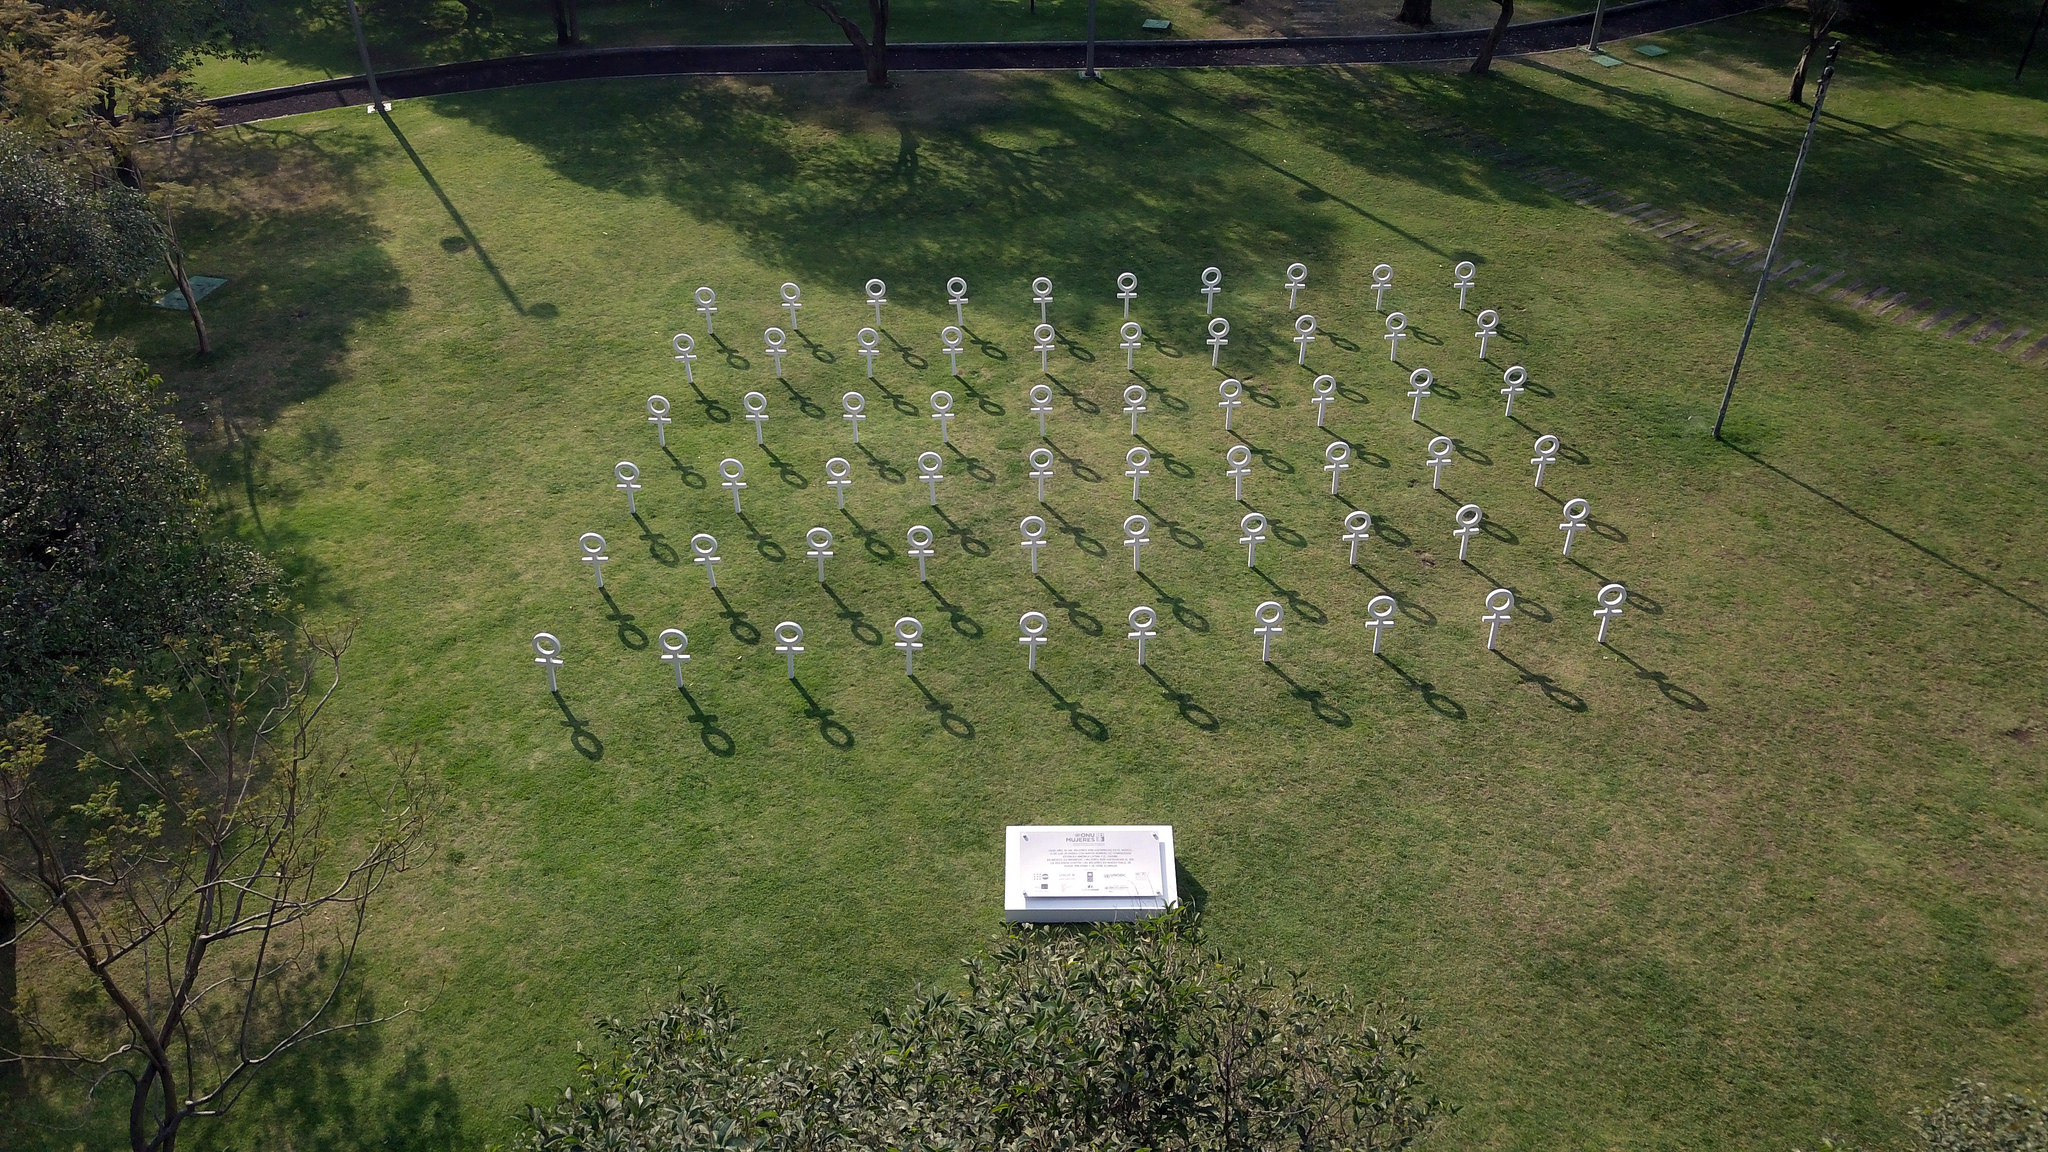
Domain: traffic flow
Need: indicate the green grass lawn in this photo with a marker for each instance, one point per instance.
(1770, 865)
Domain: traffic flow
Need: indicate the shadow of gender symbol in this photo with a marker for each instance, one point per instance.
(1083, 723)
(1685, 699)
(950, 720)
(836, 734)
(1559, 695)
(1325, 711)
(1190, 711)
(716, 740)
(581, 738)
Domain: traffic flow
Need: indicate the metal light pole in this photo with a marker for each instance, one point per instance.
(2029, 49)
(1771, 256)
(355, 17)
(1089, 72)
(1599, 9)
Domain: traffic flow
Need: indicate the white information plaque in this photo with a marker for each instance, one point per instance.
(1088, 873)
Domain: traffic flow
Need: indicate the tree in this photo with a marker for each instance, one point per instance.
(1821, 18)
(178, 864)
(567, 34)
(1484, 63)
(874, 45)
(65, 244)
(1131, 1036)
(104, 548)
(167, 35)
(1416, 12)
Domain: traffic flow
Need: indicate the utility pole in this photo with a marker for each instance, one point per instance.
(2031, 36)
(1777, 234)
(377, 101)
(1089, 72)
(1599, 10)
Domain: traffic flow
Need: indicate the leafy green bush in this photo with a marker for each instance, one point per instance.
(64, 243)
(1132, 1036)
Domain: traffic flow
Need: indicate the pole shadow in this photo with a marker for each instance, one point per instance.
(1183, 536)
(1076, 615)
(952, 721)
(869, 539)
(1440, 703)
(691, 477)
(1082, 722)
(836, 734)
(1325, 711)
(804, 404)
(1082, 472)
(736, 620)
(630, 634)
(717, 741)
(1559, 695)
(1082, 539)
(969, 543)
(1303, 608)
(887, 471)
(658, 546)
(957, 616)
(581, 738)
(1190, 711)
(1189, 619)
(783, 468)
(863, 631)
(1684, 698)
(733, 360)
(1081, 403)
(769, 549)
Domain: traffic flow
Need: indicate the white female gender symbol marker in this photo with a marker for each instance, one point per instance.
(1239, 458)
(950, 343)
(1133, 339)
(778, 347)
(1142, 620)
(908, 630)
(789, 640)
(1418, 388)
(686, 353)
(1033, 530)
(1439, 459)
(1134, 405)
(920, 538)
(1575, 513)
(856, 406)
(707, 303)
(1381, 609)
(792, 297)
(1040, 460)
(593, 554)
(1357, 530)
(1136, 461)
(1498, 602)
(1397, 327)
(820, 541)
(1135, 527)
(1041, 404)
(1042, 343)
(757, 412)
(1382, 279)
(1254, 525)
(1304, 335)
(629, 483)
(839, 475)
(877, 296)
(870, 342)
(675, 648)
(1514, 378)
(1032, 625)
(1469, 517)
(956, 295)
(1464, 271)
(1546, 455)
(732, 470)
(1219, 333)
(1127, 290)
(705, 545)
(1489, 320)
(657, 415)
(1233, 399)
(1339, 456)
(1041, 295)
(928, 470)
(942, 411)
(1325, 389)
(1212, 283)
(1297, 279)
(1268, 615)
(547, 652)
(1611, 598)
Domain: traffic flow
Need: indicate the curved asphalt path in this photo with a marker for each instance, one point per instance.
(1637, 19)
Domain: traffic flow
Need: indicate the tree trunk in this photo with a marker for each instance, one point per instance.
(567, 35)
(1416, 12)
(874, 50)
(176, 260)
(1799, 73)
(1484, 63)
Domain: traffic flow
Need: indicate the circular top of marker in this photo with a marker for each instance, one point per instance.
(1127, 281)
(951, 334)
(546, 644)
(657, 405)
(843, 467)
(1042, 285)
(1238, 454)
(1584, 509)
(1041, 458)
(1382, 273)
(1212, 276)
(1270, 612)
(1131, 331)
(868, 337)
(706, 296)
(1142, 617)
(819, 537)
(1441, 446)
(919, 536)
(1612, 595)
(684, 342)
(791, 291)
(1138, 457)
(1031, 623)
(1253, 522)
(1032, 527)
(876, 288)
(755, 402)
(789, 632)
(1396, 322)
(627, 470)
(1380, 607)
(1041, 393)
(956, 287)
(1470, 514)
(1465, 269)
(674, 639)
(942, 401)
(1324, 385)
(1500, 599)
(1231, 389)
(1135, 394)
(1297, 271)
(774, 336)
(930, 461)
(1141, 521)
(909, 628)
(1421, 378)
(1338, 452)
(1219, 327)
(704, 543)
(585, 543)
(731, 468)
(1358, 521)
(853, 402)
(1516, 375)
(1304, 324)
(1546, 443)
(1488, 318)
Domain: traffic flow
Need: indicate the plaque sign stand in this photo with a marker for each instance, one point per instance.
(1057, 873)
